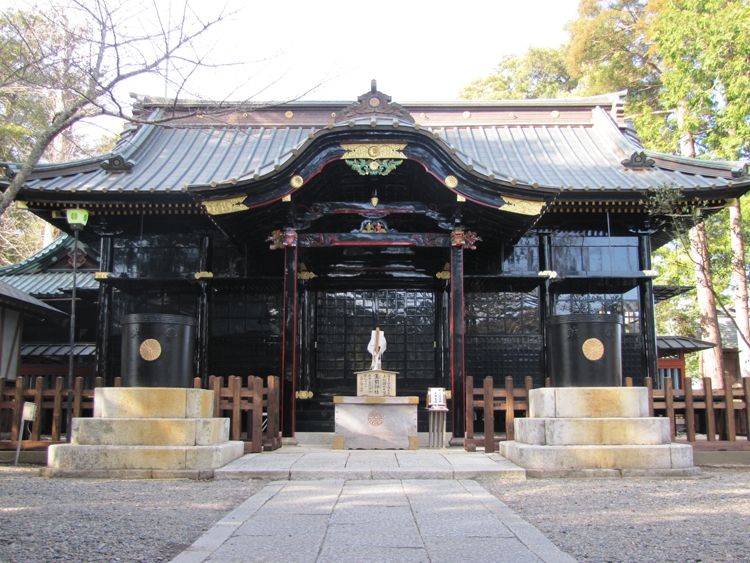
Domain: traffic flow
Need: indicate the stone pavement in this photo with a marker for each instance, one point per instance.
(362, 521)
(321, 462)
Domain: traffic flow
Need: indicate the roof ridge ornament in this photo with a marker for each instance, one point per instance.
(7, 171)
(638, 160)
(740, 171)
(117, 163)
(373, 103)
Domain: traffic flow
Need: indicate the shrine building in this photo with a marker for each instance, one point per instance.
(289, 232)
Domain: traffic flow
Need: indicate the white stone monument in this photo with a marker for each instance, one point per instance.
(376, 419)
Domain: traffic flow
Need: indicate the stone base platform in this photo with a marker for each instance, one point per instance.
(376, 423)
(139, 433)
(595, 432)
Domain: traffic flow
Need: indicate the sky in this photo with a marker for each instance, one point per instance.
(281, 50)
(417, 50)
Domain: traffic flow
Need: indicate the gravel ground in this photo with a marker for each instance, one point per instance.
(703, 519)
(82, 521)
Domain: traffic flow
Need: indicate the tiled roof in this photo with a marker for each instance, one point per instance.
(47, 256)
(49, 284)
(686, 343)
(16, 299)
(581, 151)
(49, 350)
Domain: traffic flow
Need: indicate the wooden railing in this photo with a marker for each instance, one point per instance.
(236, 398)
(488, 400)
(260, 429)
(720, 414)
(49, 403)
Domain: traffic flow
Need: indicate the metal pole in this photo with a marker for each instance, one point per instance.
(72, 341)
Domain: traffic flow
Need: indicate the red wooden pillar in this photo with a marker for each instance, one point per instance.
(458, 372)
(289, 341)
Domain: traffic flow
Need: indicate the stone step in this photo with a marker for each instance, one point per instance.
(321, 462)
(150, 431)
(152, 402)
(592, 431)
(84, 458)
(557, 458)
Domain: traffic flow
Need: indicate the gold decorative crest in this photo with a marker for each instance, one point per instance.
(150, 349)
(593, 349)
(522, 206)
(451, 182)
(305, 275)
(224, 206)
(297, 181)
(373, 151)
(101, 275)
(200, 275)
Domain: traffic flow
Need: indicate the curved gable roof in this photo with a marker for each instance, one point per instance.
(574, 144)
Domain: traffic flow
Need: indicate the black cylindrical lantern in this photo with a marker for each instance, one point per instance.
(585, 350)
(157, 350)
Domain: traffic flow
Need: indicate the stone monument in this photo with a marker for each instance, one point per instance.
(376, 419)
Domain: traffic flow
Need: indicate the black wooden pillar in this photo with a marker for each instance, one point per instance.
(201, 357)
(647, 313)
(289, 341)
(545, 298)
(104, 316)
(458, 372)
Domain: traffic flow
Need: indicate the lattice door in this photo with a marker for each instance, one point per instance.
(345, 320)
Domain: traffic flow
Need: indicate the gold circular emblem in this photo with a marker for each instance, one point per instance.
(593, 349)
(451, 182)
(374, 165)
(375, 417)
(373, 151)
(374, 102)
(555, 113)
(289, 114)
(150, 349)
(297, 181)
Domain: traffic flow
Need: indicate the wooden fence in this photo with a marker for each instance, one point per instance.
(720, 414)
(259, 429)
(236, 398)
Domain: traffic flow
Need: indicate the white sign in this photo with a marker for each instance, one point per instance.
(437, 396)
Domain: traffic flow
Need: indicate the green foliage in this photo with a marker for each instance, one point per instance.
(540, 73)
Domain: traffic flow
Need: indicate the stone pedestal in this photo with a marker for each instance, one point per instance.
(146, 433)
(595, 432)
(376, 423)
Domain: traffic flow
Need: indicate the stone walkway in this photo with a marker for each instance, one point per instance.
(322, 462)
(409, 521)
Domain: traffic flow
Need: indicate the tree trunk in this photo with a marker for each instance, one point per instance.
(739, 281)
(712, 360)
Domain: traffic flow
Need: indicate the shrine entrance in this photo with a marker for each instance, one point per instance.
(340, 326)
(344, 320)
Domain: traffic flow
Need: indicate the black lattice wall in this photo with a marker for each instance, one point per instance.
(502, 355)
(345, 321)
(632, 358)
